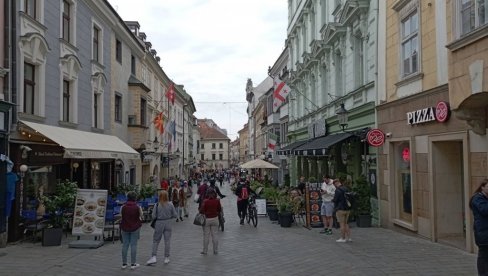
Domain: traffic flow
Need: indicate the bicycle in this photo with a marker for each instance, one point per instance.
(252, 212)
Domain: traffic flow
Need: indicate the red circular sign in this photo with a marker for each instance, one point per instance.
(442, 112)
(376, 137)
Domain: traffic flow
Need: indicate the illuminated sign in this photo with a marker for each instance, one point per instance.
(438, 113)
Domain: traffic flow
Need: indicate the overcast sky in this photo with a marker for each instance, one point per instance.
(212, 47)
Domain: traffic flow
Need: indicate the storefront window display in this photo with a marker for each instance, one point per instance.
(403, 181)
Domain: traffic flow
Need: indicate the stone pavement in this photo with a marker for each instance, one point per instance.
(245, 250)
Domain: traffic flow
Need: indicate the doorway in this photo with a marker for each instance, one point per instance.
(448, 193)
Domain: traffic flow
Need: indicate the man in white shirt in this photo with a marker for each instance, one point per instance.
(327, 209)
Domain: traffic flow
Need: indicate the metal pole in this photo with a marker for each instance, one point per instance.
(184, 141)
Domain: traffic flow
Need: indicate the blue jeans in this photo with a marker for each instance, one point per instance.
(130, 239)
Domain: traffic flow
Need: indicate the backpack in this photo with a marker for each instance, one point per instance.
(244, 193)
(350, 199)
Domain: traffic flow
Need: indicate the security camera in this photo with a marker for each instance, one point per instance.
(25, 148)
(388, 134)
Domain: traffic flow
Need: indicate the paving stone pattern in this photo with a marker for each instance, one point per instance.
(244, 250)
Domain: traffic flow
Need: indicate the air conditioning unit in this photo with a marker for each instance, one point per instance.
(132, 119)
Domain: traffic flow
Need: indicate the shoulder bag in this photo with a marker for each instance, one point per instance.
(153, 222)
(199, 220)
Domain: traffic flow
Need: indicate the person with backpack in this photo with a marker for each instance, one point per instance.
(342, 211)
(242, 192)
(479, 206)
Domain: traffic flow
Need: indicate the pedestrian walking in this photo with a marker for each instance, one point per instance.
(187, 192)
(342, 211)
(327, 208)
(164, 211)
(479, 207)
(211, 208)
(174, 193)
(130, 226)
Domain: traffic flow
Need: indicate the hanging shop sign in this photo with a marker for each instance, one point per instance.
(375, 137)
(439, 113)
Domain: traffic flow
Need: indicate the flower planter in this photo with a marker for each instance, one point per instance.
(272, 213)
(52, 236)
(363, 220)
(286, 219)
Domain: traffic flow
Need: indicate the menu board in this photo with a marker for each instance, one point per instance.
(261, 206)
(89, 214)
(313, 201)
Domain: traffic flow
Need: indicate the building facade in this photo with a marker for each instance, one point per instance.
(214, 146)
(244, 144)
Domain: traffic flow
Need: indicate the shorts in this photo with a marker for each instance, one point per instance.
(342, 216)
(327, 208)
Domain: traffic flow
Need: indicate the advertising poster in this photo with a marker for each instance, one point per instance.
(313, 201)
(89, 214)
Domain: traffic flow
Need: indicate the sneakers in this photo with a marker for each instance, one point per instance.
(341, 240)
(242, 222)
(325, 231)
(177, 220)
(124, 266)
(166, 260)
(134, 266)
(181, 218)
(329, 232)
(151, 261)
(203, 253)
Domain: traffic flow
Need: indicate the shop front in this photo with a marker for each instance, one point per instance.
(44, 154)
(423, 169)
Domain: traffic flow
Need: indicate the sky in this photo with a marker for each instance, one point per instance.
(212, 47)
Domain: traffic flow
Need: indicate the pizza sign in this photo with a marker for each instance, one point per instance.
(375, 137)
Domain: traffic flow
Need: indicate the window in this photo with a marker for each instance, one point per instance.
(221, 145)
(213, 156)
(96, 110)
(143, 112)
(133, 65)
(96, 43)
(66, 21)
(213, 146)
(118, 51)
(30, 8)
(202, 146)
(118, 108)
(358, 59)
(66, 100)
(202, 156)
(29, 87)
(410, 44)
(221, 156)
(473, 13)
(338, 74)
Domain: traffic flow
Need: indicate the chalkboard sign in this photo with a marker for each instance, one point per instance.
(261, 206)
(313, 201)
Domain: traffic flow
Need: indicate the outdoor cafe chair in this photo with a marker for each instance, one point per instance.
(112, 224)
(32, 223)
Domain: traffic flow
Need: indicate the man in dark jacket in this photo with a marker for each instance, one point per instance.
(243, 191)
(342, 211)
(479, 206)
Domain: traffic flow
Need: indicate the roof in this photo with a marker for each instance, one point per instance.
(207, 132)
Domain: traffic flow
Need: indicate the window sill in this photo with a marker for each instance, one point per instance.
(68, 124)
(469, 38)
(409, 79)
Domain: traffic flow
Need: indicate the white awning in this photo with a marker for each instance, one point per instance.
(85, 145)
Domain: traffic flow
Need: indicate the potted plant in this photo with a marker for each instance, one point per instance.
(147, 191)
(271, 194)
(362, 208)
(285, 214)
(57, 205)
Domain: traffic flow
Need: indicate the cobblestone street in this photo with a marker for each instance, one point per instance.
(245, 250)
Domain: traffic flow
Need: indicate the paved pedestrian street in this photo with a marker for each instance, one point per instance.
(244, 250)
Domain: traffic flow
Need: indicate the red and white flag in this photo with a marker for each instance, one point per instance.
(272, 139)
(170, 94)
(281, 91)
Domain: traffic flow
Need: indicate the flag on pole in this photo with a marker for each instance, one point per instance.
(272, 140)
(281, 90)
(170, 93)
(159, 123)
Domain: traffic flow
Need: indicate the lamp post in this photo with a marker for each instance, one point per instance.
(23, 169)
(342, 117)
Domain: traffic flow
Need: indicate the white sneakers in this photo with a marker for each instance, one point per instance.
(344, 240)
(166, 260)
(134, 266)
(151, 261)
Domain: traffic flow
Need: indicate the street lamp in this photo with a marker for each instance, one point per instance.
(23, 169)
(156, 144)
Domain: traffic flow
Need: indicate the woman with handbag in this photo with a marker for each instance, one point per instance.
(130, 226)
(211, 208)
(163, 212)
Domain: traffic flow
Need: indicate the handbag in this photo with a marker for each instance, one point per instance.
(196, 197)
(199, 220)
(153, 222)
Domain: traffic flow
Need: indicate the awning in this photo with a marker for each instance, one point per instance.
(85, 145)
(320, 146)
(289, 148)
